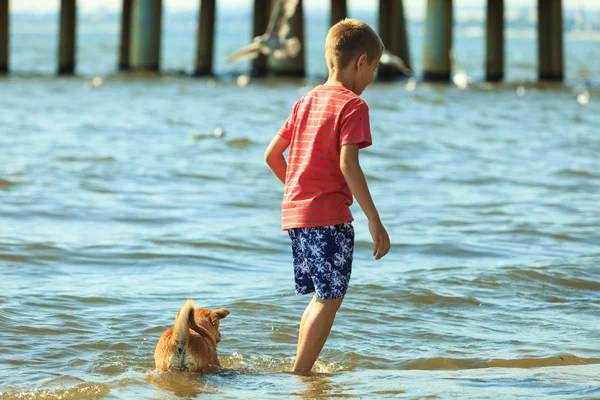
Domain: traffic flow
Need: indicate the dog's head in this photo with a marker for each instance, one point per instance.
(209, 320)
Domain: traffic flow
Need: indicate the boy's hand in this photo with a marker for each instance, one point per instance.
(381, 240)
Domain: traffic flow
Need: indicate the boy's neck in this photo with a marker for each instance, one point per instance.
(340, 78)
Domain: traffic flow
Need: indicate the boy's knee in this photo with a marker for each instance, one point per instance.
(330, 304)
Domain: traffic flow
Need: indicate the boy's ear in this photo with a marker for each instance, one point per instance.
(362, 61)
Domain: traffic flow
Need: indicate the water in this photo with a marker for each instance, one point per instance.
(112, 214)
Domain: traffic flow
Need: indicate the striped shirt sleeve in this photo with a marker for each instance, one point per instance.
(288, 128)
(354, 125)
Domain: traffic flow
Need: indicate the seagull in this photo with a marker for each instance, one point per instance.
(411, 84)
(460, 77)
(217, 133)
(275, 38)
(583, 96)
(389, 58)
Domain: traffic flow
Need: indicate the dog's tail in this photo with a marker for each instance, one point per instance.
(181, 331)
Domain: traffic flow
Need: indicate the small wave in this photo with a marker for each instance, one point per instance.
(215, 246)
(88, 390)
(389, 392)
(41, 246)
(453, 222)
(195, 175)
(70, 159)
(492, 213)
(96, 188)
(547, 277)
(455, 250)
(535, 232)
(430, 297)
(483, 126)
(576, 173)
(30, 252)
(150, 220)
(427, 100)
(61, 302)
(179, 122)
(559, 361)
(6, 183)
(401, 167)
(239, 365)
(14, 257)
(474, 181)
(384, 106)
(240, 143)
(242, 205)
(442, 363)
(249, 306)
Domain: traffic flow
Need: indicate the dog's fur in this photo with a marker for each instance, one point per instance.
(191, 344)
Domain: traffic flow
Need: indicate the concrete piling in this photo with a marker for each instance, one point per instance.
(339, 11)
(4, 36)
(550, 40)
(291, 66)
(262, 13)
(67, 39)
(392, 30)
(438, 40)
(144, 54)
(140, 41)
(494, 41)
(206, 38)
(125, 35)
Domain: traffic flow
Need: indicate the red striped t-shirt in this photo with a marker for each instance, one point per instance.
(323, 120)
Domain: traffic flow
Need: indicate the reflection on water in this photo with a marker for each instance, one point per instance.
(182, 384)
(320, 386)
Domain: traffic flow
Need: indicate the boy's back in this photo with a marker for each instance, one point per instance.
(323, 120)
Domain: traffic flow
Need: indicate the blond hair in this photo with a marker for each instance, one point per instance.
(348, 39)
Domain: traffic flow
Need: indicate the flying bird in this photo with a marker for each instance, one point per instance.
(460, 77)
(389, 58)
(583, 96)
(275, 39)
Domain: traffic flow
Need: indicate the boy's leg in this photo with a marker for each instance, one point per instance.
(304, 316)
(329, 280)
(314, 329)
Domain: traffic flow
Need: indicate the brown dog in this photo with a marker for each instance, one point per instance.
(191, 344)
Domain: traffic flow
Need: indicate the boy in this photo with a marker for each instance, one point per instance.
(325, 131)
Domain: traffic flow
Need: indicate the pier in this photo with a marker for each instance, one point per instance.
(392, 30)
(494, 41)
(68, 35)
(438, 41)
(4, 36)
(205, 38)
(140, 38)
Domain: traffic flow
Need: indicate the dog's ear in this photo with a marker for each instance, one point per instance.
(221, 313)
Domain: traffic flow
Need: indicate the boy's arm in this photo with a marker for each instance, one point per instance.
(274, 157)
(357, 183)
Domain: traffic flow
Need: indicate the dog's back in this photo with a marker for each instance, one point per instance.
(187, 346)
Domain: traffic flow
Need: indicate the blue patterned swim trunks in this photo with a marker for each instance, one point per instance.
(323, 259)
